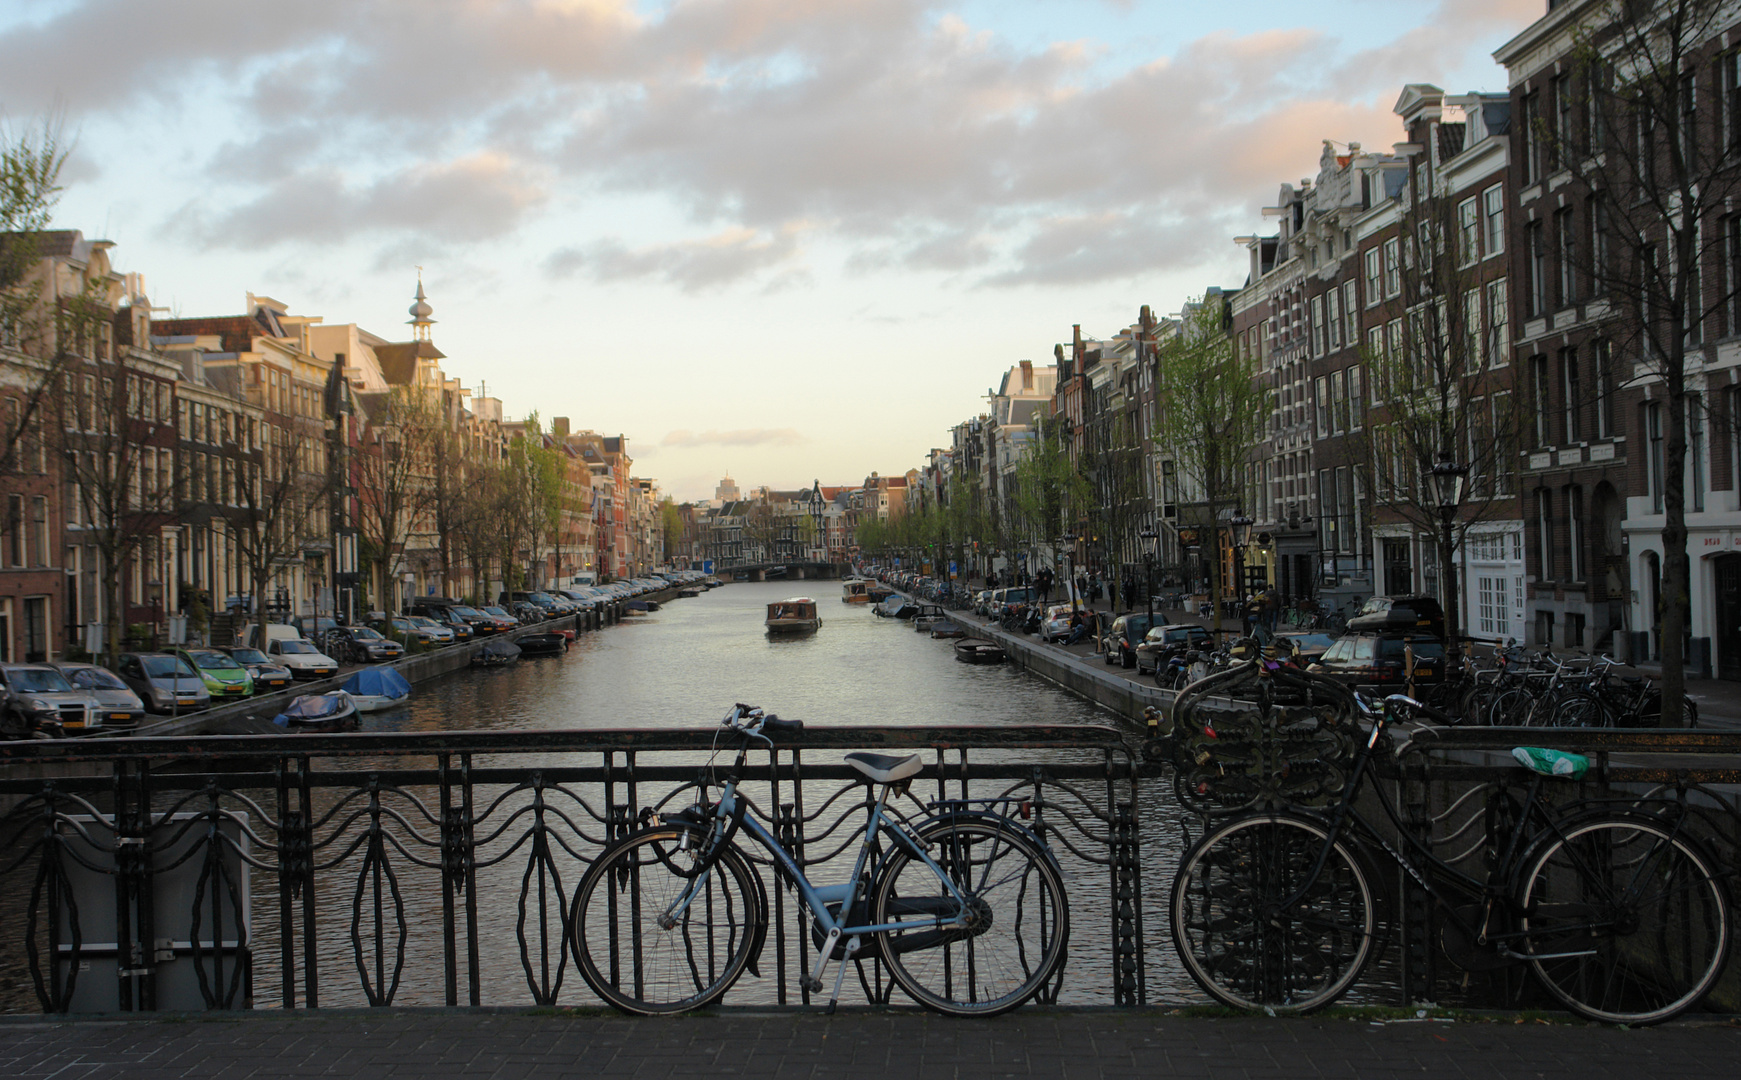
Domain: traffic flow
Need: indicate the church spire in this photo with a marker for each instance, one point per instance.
(420, 312)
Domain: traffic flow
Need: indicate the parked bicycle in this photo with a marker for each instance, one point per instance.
(965, 907)
(1617, 909)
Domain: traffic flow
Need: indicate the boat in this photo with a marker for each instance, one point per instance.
(542, 644)
(375, 688)
(897, 606)
(948, 629)
(855, 591)
(927, 616)
(794, 615)
(500, 652)
(690, 592)
(331, 711)
(978, 651)
(878, 592)
(637, 607)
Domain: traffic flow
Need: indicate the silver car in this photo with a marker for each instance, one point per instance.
(165, 683)
(117, 705)
(36, 700)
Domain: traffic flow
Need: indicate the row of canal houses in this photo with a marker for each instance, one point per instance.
(1560, 536)
(194, 456)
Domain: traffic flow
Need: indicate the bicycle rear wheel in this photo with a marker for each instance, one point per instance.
(640, 954)
(1625, 920)
(1580, 709)
(1020, 927)
(1236, 941)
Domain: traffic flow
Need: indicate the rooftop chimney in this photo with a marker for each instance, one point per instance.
(1027, 374)
(559, 426)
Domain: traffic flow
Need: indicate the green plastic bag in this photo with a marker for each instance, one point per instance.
(1551, 762)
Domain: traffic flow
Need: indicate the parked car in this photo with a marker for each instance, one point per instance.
(1118, 643)
(165, 683)
(302, 658)
(361, 645)
(224, 676)
(1162, 642)
(1055, 623)
(117, 705)
(274, 631)
(313, 628)
(440, 633)
(36, 701)
(1306, 645)
(1379, 657)
(409, 631)
(501, 615)
(1421, 613)
(267, 673)
(482, 624)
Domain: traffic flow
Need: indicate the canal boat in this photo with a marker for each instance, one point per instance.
(543, 644)
(334, 710)
(794, 615)
(500, 652)
(927, 616)
(896, 606)
(978, 651)
(375, 688)
(690, 592)
(878, 592)
(948, 629)
(855, 591)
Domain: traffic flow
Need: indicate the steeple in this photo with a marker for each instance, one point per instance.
(420, 313)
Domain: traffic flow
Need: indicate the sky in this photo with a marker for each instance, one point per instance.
(788, 240)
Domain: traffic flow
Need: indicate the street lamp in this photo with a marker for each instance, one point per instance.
(1150, 538)
(1240, 526)
(1449, 480)
(1069, 542)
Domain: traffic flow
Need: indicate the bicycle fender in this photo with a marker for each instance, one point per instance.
(758, 928)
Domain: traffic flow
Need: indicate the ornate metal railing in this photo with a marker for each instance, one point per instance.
(432, 868)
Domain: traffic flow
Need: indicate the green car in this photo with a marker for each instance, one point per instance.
(223, 676)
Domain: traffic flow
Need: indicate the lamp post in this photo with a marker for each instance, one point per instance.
(1069, 542)
(1449, 480)
(1149, 538)
(1240, 526)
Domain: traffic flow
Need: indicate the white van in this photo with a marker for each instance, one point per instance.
(274, 632)
(583, 580)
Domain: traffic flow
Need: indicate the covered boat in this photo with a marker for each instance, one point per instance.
(331, 711)
(796, 614)
(855, 591)
(896, 606)
(500, 652)
(979, 651)
(543, 644)
(927, 616)
(375, 688)
(948, 629)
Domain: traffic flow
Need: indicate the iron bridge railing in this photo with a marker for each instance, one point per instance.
(433, 868)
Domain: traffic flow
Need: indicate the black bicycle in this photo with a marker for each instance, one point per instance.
(1619, 911)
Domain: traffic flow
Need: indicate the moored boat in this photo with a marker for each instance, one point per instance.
(979, 651)
(331, 711)
(948, 629)
(375, 688)
(793, 615)
(690, 592)
(500, 652)
(855, 591)
(542, 644)
(927, 616)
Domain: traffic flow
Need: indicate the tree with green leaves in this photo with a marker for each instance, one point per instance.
(1212, 415)
(1051, 493)
(30, 167)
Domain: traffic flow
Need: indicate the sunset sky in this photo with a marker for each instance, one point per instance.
(788, 239)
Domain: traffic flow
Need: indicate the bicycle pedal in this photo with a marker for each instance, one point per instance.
(807, 983)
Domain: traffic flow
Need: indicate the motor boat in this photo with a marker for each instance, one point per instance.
(948, 629)
(375, 688)
(542, 645)
(500, 652)
(793, 615)
(855, 591)
(896, 606)
(690, 592)
(331, 711)
(978, 651)
(927, 616)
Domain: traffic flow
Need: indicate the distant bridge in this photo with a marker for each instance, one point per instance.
(768, 571)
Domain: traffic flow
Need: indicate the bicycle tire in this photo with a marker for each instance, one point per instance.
(1023, 929)
(1581, 709)
(1510, 707)
(631, 962)
(1642, 959)
(1245, 953)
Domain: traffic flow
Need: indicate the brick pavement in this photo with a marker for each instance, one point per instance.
(872, 1045)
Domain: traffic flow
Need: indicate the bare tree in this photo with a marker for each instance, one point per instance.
(278, 495)
(393, 477)
(30, 165)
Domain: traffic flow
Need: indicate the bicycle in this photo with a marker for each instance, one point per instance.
(668, 918)
(1619, 913)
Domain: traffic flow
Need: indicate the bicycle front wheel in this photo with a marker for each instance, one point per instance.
(655, 932)
(1580, 709)
(1624, 919)
(1018, 918)
(1235, 938)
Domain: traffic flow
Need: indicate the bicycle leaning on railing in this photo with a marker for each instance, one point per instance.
(965, 907)
(1618, 911)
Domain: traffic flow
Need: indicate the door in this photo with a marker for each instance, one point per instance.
(1728, 617)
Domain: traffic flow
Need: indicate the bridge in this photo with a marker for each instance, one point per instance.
(794, 569)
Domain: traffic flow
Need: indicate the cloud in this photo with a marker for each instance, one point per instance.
(740, 438)
(691, 265)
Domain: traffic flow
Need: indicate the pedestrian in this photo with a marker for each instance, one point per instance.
(1078, 627)
(991, 579)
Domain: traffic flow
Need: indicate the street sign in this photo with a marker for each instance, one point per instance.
(951, 567)
(707, 566)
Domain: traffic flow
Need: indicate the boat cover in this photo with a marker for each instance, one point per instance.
(313, 708)
(498, 649)
(378, 682)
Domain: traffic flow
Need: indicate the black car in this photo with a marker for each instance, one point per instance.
(1381, 658)
(1420, 613)
(1120, 643)
(361, 645)
(1161, 642)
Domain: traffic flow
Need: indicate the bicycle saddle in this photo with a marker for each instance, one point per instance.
(885, 768)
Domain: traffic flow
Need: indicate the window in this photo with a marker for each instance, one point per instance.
(1538, 370)
(1562, 136)
(1538, 281)
(39, 530)
(1504, 450)
(1528, 115)
(1333, 317)
(1492, 604)
(1653, 466)
(1338, 403)
(1351, 309)
(1392, 268)
(15, 530)
(1373, 291)
(1498, 333)
(1468, 232)
(1571, 388)
(1696, 449)
(1322, 398)
(1356, 403)
(1493, 211)
(1732, 271)
(1594, 86)
(1689, 121)
(1318, 325)
(1575, 534)
(1644, 141)
(1473, 348)
(1565, 242)
(1544, 521)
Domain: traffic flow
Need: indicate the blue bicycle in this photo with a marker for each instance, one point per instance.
(965, 907)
